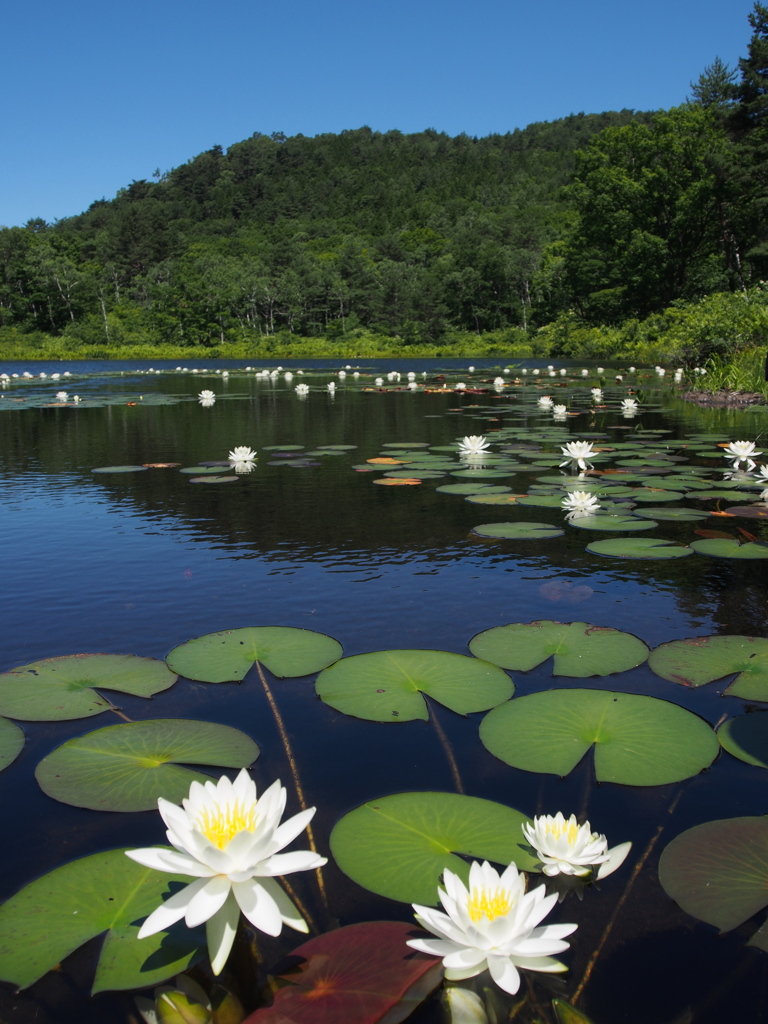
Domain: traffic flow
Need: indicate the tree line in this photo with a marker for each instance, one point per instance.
(600, 219)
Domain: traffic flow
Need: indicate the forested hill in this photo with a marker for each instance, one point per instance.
(592, 234)
(403, 234)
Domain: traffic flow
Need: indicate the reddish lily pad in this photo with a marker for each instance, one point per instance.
(363, 973)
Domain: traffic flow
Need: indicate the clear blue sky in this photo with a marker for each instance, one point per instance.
(96, 94)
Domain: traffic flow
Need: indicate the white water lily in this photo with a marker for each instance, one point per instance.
(545, 402)
(229, 842)
(495, 924)
(629, 404)
(302, 389)
(473, 444)
(578, 452)
(205, 394)
(762, 472)
(566, 848)
(742, 451)
(580, 503)
(242, 454)
(597, 394)
(62, 396)
(560, 410)
(460, 386)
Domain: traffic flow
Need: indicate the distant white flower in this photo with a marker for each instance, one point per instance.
(229, 842)
(566, 848)
(545, 402)
(342, 374)
(459, 386)
(76, 398)
(492, 924)
(597, 394)
(473, 444)
(535, 372)
(499, 382)
(619, 377)
(471, 369)
(585, 373)
(563, 372)
(660, 370)
(411, 375)
(580, 503)
(302, 389)
(412, 385)
(560, 410)
(551, 366)
(331, 386)
(762, 472)
(629, 405)
(379, 382)
(631, 369)
(524, 371)
(505, 370)
(601, 369)
(742, 451)
(288, 376)
(578, 452)
(207, 396)
(62, 396)
(242, 454)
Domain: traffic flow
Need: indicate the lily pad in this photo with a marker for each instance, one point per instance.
(639, 547)
(363, 973)
(217, 468)
(214, 479)
(672, 514)
(541, 500)
(704, 659)
(518, 531)
(722, 548)
(11, 742)
(106, 892)
(127, 767)
(718, 871)
(746, 737)
(579, 648)
(478, 488)
(57, 689)
(228, 655)
(610, 523)
(119, 469)
(492, 499)
(749, 511)
(387, 686)
(656, 494)
(639, 741)
(400, 845)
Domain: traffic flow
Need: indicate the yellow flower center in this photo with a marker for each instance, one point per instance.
(569, 829)
(221, 824)
(489, 903)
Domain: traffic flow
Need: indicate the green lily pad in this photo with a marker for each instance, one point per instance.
(492, 499)
(400, 845)
(704, 659)
(746, 737)
(718, 871)
(639, 547)
(119, 469)
(722, 548)
(216, 469)
(518, 531)
(214, 479)
(11, 742)
(610, 523)
(106, 892)
(387, 686)
(482, 474)
(228, 655)
(656, 494)
(639, 741)
(57, 689)
(541, 500)
(672, 514)
(478, 488)
(579, 648)
(127, 767)
(722, 495)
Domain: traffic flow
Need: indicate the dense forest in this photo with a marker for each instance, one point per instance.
(575, 235)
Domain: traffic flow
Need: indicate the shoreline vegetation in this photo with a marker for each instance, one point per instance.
(623, 236)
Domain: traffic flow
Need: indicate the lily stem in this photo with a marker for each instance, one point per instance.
(621, 901)
(295, 773)
(448, 750)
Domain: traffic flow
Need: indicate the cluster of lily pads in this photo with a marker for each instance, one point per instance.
(230, 843)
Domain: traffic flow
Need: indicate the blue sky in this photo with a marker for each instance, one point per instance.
(96, 94)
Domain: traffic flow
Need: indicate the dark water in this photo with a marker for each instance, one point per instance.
(138, 563)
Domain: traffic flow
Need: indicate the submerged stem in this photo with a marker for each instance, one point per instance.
(448, 750)
(621, 901)
(295, 773)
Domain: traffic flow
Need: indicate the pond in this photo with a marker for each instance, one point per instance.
(115, 543)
